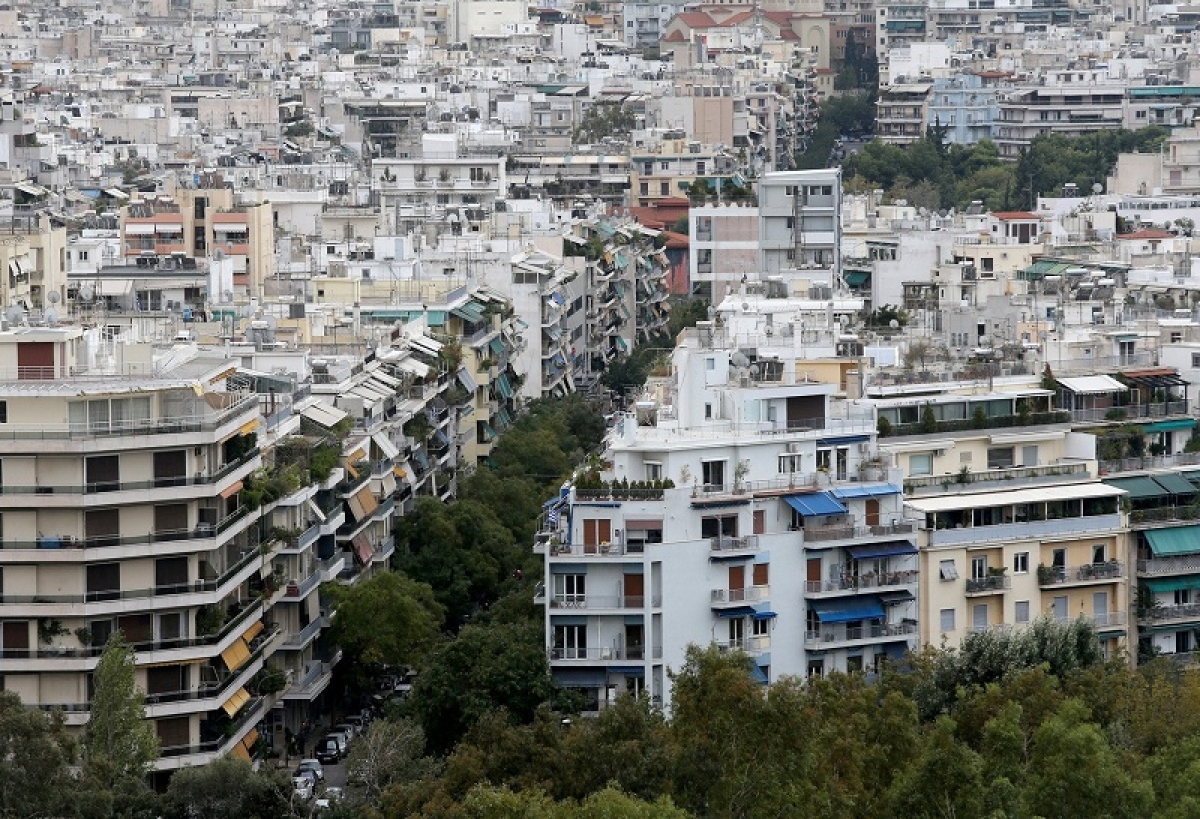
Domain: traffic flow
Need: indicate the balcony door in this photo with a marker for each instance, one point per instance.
(1100, 608)
(633, 587)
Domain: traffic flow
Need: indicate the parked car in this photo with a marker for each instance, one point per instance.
(304, 785)
(311, 766)
(343, 741)
(329, 750)
(346, 727)
(359, 721)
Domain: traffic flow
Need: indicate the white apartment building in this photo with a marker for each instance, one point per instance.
(780, 534)
(800, 223)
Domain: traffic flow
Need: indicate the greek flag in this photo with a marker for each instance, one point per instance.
(552, 516)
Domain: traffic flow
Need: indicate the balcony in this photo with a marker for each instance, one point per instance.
(605, 654)
(838, 636)
(166, 425)
(988, 585)
(721, 598)
(755, 645)
(1161, 614)
(994, 422)
(1087, 573)
(1011, 476)
(825, 534)
(725, 544)
(299, 590)
(311, 683)
(306, 635)
(602, 601)
(1156, 566)
(1160, 409)
(863, 582)
(1019, 530)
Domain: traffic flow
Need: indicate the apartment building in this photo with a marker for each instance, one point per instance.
(738, 505)
(1069, 102)
(143, 523)
(902, 112)
(722, 247)
(800, 222)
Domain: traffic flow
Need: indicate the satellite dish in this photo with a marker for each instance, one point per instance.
(739, 359)
(53, 297)
(15, 314)
(1097, 188)
(51, 316)
(87, 292)
(227, 296)
(218, 254)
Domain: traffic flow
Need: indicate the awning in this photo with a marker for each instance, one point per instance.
(425, 344)
(236, 655)
(503, 387)
(903, 596)
(248, 427)
(1172, 584)
(249, 740)
(385, 445)
(1041, 494)
(876, 491)
(765, 615)
(1138, 488)
(895, 651)
(235, 703)
(1092, 384)
(1157, 377)
(230, 227)
(758, 675)
(816, 503)
(325, 415)
(254, 630)
(642, 524)
(856, 278)
(1177, 540)
(847, 609)
(362, 547)
(239, 752)
(233, 489)
(116, 193)
(842, 440)
(900, 547)
(1175, 483)
(628, 670)
(31, 189)
(1169, 426)
(363, 504)
(580, 677)
(168, 227)
(410, 365)
(139, 229)
(118, 287)
(471, 312)
(466, 380)
(738, 611)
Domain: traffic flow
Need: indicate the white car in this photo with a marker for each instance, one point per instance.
(304, 786)
(326, 799)
(312, 768)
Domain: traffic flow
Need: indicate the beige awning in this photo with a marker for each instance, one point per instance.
(235, 703)
(253, 631)
(233, 490)
(236, 655)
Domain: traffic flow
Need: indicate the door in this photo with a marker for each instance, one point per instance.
(1058, 608)
(15, 636)
(737, 582)
(170, 467)
(979, 617)
(813, 573)
(761, 575)
(102, 527)
(737, 632)
(634, 645)
(35, 360)
(1100, 608)
(1029, 455)
(760, 521)
(634, 589)
(102, 473)
(872, 511)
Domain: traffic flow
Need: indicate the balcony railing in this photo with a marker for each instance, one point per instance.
(1054, 575)
(122, 486)
(819, 534)
(1189, 611)
(726, 543)
(602, 601)
(604, 654)
(1016, 473)
(845, 633)
(880, 580)
(756, 644)
(1183, 564)
(749, 594)
(173, 425)
(995, 422)
(1128, 413)
(983, 585)
(202, 531)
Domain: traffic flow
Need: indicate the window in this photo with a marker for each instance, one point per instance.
(3, 412)
(570, 590)
(664, 188)
(824, 460)
(1021, 611)
(1059, 608)
(789, 464)
(653, 470)
(570, 642)
(1058, 558)
(737, 631)
(1000, 457)
(708, 412)
(978, 568)
(1196, 359)
(761, 628)
(103, 581)
(710, 364)
(1098, 555)
(1021, 563)
(712, 473)
(920, 464)
(719, 526)
(947, 620)
(948, 570)
(1183, 597)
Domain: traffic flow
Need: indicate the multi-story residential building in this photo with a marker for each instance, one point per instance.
(800, 223)
(723, 247)
(899, 22)
(902, 112)
(1070, 102)
(672, 167)
(739, 505)
(965, 107)
(144, 522)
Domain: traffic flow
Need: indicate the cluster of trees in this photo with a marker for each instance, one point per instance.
(846, 114)
(1031, 724)
(935, 175)
(628, 374)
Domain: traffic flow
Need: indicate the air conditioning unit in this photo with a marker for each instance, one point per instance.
(794, 448)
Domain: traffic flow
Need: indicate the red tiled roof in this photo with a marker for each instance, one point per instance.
(675, 240)
(675, 36)
(1147, 233)
(695, 19)
(1016, 216)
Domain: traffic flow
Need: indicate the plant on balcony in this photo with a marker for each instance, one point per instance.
(84, 635)
(418, 427)
(325, 457)
(444, 175)
(884, 427)
(1045, 574)
(739, 475)
(239, 446)
(419, 175)
(268, 681)
(49, 628)
(929, 421)
(1115, 414)
(209, 620)
(964, 474)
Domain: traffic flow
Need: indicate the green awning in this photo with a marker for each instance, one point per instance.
(1041, 269)
(504, 387)
(1173, 584)
(1175, 483)
(1169, 426)
(435, 318)
(857, 278)
(471, 312)
(497, 346)
(1178, 540)
(1138, 488)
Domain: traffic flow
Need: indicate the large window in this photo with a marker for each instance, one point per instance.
(570, 642)
(109, 415)
(712, 473)
(570, 590)
(947, 620)
(1000, 457)
(920, 464)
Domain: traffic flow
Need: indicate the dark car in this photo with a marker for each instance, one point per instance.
(329, 751)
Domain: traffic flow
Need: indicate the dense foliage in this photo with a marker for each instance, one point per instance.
(935, 175)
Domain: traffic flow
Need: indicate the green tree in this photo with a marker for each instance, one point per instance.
(35, 779)
(119, 744)
(229, 788)
(487, 667)
(388, 619)
(945, 780)
(501, 803)
(391, 752)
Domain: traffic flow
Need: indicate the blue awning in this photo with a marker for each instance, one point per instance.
(739, 611)
(847, 609)
(895, 651)
(816, 503)
(1169, 426)
(757, 674)
(874, 491)
(466, 380)
(843, 439)
(765, 615)
(628, 670)
(899, 547)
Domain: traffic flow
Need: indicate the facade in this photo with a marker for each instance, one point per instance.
(800, 222)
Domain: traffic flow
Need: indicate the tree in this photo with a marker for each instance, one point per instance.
(389, 619)
(486, 802)
(35, 779)
(118, 743)
(229, 788)
(486, 668)
(945, 780)
(391, 752)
